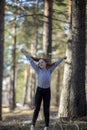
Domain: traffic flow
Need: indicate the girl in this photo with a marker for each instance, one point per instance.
(44, 70)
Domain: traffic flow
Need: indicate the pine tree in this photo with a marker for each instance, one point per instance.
(65, 92)
(2, 10)
(47, 28)
(77, 90)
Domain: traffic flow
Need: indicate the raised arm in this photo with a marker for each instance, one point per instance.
(33, 64)
(51, 69)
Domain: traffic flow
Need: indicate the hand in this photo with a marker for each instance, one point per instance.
(24, 52)
(65, 57)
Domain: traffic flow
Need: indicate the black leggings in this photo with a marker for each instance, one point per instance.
(42, 94)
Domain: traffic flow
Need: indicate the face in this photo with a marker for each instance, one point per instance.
(42, 64)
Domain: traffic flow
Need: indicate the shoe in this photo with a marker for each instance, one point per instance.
(46, 128)
(33, 127)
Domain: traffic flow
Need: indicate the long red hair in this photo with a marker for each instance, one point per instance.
(48, 62)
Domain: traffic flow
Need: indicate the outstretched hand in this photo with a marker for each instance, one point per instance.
(65, 57)
(24, 51)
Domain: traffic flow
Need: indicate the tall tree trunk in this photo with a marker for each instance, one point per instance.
(77, 91)
(47, 32)
(25, 92)
(57, 87)
(30, 96)
(65, 92)
(86, 75)
(13, 72)
(86, 57)
(47, 28)
(2, 10)
(32, 78)
(31, 81)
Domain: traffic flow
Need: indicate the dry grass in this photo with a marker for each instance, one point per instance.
(17, 120)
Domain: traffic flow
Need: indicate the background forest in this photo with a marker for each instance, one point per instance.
(24, 29)
(49, 28)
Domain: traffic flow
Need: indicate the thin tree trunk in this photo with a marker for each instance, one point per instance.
(32, 80)
(11, 91)
(57, 87)
(47, 28)
(2, 10)
(30, 87)
(86, 76)
(86, 59)
(13, 72)
(14, 67)
(27, 73)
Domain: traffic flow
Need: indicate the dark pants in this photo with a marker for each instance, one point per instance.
(42, 94)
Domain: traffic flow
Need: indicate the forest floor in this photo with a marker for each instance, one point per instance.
(20, 119)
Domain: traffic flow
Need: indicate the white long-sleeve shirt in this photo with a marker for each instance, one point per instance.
(44, 75)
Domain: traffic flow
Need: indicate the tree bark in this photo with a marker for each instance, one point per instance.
(57, 87)
(63, 111)
(32, 80)
(25, 92)
(65, 93)
(2, 10)
(13, 71)
(47, 28)
(77, 90)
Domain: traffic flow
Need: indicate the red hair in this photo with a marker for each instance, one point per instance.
(48, 62)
